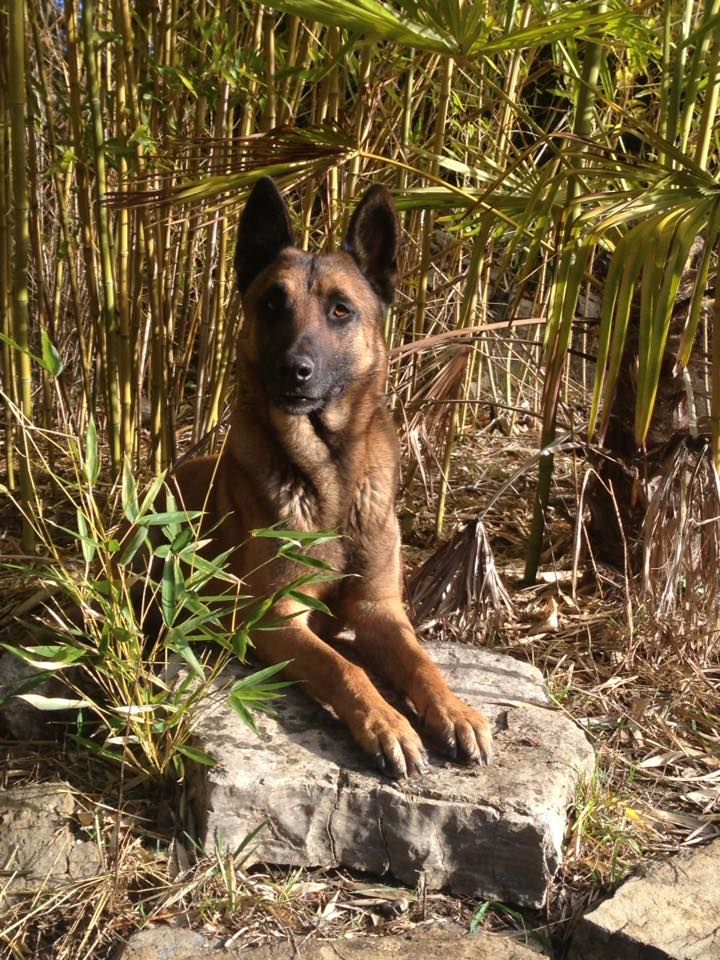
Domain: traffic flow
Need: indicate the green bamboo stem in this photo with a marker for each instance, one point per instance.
(271, 107)
(555, 360)
(677, 70)
(249, 107)
(109, 298)
(687, 81)
(84, 199)
(708, 119)
(65, 266)
(467, 313)
(362, 122)
(126, 375)
(21, 229)
(291, 61)
(6, 356)
(429, 219)
(43, 304)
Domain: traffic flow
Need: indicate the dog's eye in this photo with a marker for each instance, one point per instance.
(340, 312)
(274, 301)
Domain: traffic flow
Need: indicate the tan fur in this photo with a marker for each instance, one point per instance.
(336, 470)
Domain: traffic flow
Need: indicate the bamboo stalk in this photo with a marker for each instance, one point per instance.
(7, 365)
(556, 354)
(65, 266)
(84, 198)
(708, 120)
(429, 219)
(21, 229)
(271, 107)
(467, 313)
(109, 298)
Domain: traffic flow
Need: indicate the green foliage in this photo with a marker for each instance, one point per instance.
(138, 698)
(565, 136)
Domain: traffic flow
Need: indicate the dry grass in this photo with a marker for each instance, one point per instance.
(646, 692)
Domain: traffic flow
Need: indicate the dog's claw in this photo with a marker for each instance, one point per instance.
(462, 733)
(395, 762)
(397, 749)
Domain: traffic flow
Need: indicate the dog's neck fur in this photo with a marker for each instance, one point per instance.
(303, 475)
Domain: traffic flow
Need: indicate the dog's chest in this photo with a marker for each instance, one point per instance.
(331, 504)
(297, 501)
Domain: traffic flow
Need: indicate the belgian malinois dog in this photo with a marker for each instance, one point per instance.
(311, 445)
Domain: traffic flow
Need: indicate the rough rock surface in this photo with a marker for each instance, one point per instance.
(21, 720)
(493, 832)
(671, 911)
(37, 845)
(164, 943)
(168, 943)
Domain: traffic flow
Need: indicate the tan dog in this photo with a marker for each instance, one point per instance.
(311, 445)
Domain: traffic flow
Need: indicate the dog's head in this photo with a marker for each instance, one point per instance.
(315, 321)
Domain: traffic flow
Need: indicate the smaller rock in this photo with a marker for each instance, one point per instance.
(36, 842)
(167, 943)
(21, 719)
(669, 911)
(84, 860)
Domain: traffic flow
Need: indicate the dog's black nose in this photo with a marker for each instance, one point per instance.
(304, 368)
(298, 370)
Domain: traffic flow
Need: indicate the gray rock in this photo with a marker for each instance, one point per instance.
(493, 832)
(423, 943)
(670, 911)
(420, 944)
(37, 845)
(167, 943)
(21, 719)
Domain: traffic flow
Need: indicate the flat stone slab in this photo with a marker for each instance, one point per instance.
(423, 943)
(419, 945)
(669, 911)
(489, 832)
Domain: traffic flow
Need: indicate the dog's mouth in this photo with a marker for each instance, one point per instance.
(302, 403)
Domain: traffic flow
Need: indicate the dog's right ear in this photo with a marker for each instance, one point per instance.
(263, 232)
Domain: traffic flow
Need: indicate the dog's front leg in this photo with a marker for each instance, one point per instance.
(331, 679)
(386, 641)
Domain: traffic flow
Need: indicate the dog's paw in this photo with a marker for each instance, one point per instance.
(388, 736)
(459, 731)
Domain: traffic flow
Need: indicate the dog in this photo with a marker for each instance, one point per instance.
(311, 446)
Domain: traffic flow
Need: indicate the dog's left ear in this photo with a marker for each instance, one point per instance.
(372, 240)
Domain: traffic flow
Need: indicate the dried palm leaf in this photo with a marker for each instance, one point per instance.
(460, 580)
(681, 549)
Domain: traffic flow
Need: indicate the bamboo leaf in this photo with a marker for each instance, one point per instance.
(92, 461)
(138, 538)
(52, 361)
(87, 544)
(53, 703)
(196, 755)
(128, 492)
(378, 20)
(49, 656)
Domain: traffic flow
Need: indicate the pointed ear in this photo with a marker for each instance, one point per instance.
(372, 240)
(263, 232)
